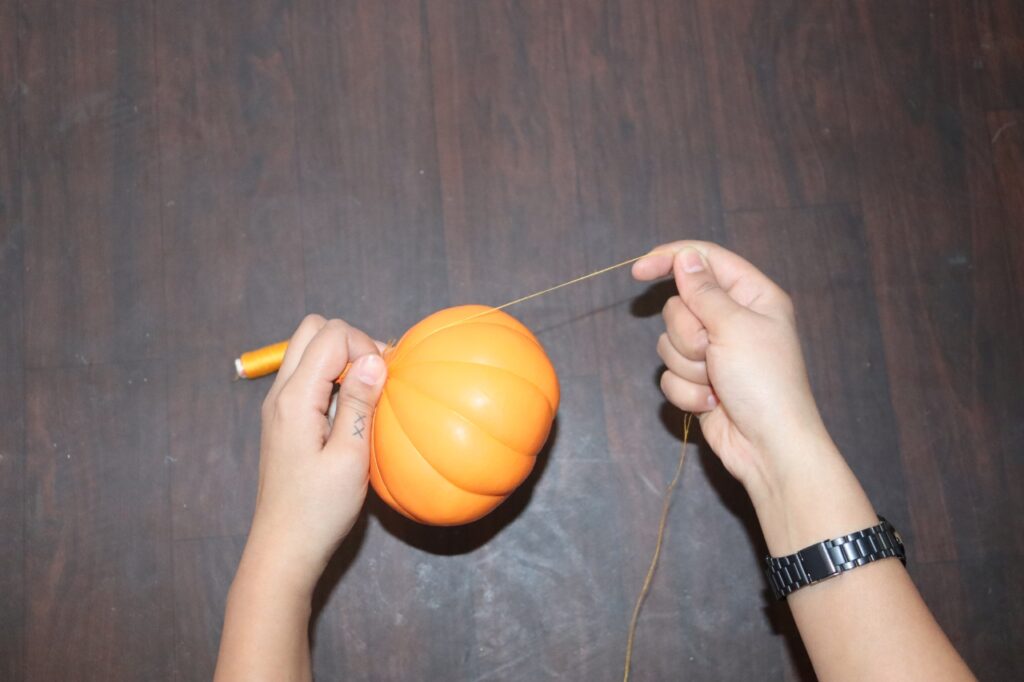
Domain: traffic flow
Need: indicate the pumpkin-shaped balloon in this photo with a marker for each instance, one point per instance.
(467, 406)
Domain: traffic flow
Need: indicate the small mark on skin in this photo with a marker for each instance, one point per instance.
(359, 425)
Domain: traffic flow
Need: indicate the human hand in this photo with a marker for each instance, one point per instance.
(312, 477)
(733, 358)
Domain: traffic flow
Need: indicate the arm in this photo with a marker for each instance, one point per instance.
(733, 358)
(312, 483)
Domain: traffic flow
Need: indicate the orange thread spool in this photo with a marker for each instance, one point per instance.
(267, 360)
(260, 362)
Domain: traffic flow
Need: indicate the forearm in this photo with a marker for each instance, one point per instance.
(868, 623)
(312, 484)
(266, 625)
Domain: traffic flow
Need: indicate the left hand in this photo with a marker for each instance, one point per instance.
(312, 477)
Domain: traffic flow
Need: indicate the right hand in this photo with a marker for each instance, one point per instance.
(733, 358)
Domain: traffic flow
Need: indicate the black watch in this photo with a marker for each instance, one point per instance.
(830, 558)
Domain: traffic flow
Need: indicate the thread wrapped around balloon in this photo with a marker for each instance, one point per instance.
(469, 402)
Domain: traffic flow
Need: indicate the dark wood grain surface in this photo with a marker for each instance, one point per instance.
(945, 282)
(12, 433)
(89, 183)
(98, 581)
(182, 180)
(777, 103)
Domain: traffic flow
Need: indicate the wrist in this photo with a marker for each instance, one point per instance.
(779, 467)
(259, 591)
(268, 565)
(813, 496)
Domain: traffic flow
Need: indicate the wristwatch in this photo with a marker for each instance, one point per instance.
(830, 558)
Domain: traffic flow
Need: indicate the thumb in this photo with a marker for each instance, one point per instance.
(357, 399)
(700, 290)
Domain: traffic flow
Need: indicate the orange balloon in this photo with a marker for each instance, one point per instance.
(465, 410)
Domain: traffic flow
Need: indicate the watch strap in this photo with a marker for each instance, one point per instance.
(830, 558)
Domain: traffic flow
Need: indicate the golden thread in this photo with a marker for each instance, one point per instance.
(266, 360)
(657, 547)
(523, 299)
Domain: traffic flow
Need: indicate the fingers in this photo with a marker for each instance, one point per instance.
(746, 284)
(687, 395)
(357, 400)
(700, 290)
(686, 383)
(658, 263)
(728, 266)
(306, 394)
(685, 332)
(305, 332)
(695, 371)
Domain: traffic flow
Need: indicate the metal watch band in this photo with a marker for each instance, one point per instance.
(832, 557)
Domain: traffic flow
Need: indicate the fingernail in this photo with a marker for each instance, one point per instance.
(370, 369)
(712, 400)
(692, 262)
